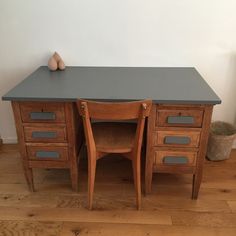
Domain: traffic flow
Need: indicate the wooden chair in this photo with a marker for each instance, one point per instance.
(104, 138)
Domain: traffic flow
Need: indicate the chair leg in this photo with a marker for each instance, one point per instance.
(91, 178)
(137, 180)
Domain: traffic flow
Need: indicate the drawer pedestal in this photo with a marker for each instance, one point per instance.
(177, 138)
(49, 135)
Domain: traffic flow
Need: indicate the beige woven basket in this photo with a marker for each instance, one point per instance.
(220, 141)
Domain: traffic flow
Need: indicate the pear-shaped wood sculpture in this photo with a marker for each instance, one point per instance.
(55, 62)
(61, 65)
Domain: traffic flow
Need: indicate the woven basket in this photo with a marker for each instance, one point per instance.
(220, 141)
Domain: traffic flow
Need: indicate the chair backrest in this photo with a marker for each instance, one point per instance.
(113, 111)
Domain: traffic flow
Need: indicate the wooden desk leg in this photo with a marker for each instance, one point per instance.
(74, 141)
(148, 172)
(74, 175)
(197, 178)
(28, 172)
(20, 134)
(149, 152)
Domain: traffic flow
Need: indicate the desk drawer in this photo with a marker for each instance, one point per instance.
(42, 112)
(177, 138)
(46, 153)
(45, 133)
(179, 118)
(175, 158)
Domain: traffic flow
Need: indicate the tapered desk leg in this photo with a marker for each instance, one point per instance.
(197, 177)
(148, 170)
(28, 172)
(74, 175)
(75, 138)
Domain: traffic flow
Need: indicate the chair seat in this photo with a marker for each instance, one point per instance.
(114, 137)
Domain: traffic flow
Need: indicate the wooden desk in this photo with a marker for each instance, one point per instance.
(47, 122)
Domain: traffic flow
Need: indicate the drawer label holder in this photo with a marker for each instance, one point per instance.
(44, 134)
(180, 120)
(42, 116)
(173, 160)
(47, 154)
(177, 140)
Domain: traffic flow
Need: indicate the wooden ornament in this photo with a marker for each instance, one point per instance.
(61, 65)
(52, 64)
(57, 57)
(55, 62)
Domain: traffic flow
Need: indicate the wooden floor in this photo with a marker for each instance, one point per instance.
(55, 210)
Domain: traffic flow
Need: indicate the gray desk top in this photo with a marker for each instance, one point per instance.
(162, 85)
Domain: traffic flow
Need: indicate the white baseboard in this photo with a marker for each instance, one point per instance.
(9, 140)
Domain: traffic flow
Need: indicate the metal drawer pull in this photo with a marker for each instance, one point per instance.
(44, 134)
(180, 120)
(177, 140)
(175, 160)
(47, 154)
(42, 116)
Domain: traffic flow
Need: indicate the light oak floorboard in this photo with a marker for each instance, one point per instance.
(29, 228)
(73, 214)
(232, 205)
(109, 202)
(204, 219)
(98, 229)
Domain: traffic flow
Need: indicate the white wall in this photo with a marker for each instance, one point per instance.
(199, 33)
